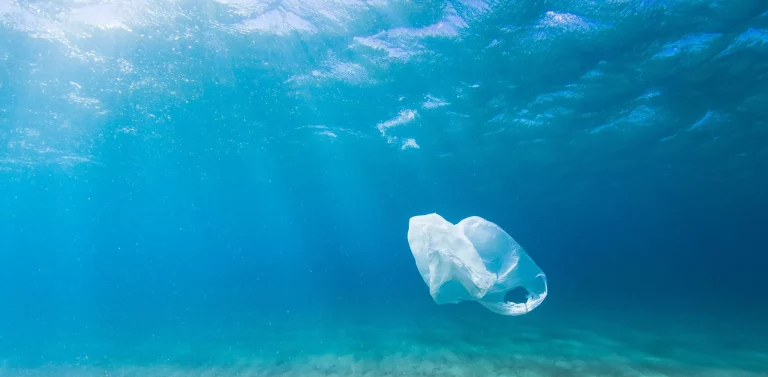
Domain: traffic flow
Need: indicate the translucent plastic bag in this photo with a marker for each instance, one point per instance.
(474, 260)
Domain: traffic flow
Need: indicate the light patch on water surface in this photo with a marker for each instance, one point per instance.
(392, 51)
(751, 39)
(403, 43)
(668, 138)
(565, 22)
(498, 118)
(82, 101)
(593, 74)
(477, 7)
(246, 7)
(653, 93)
(690, 44)
(348, 72)
(492, 44)
(404, 117)
(6, 6)
(104, 16)
(554, 25)
(281, 17)
(276, 22)
(641, 116)
(557, 96)
(528, 122)
(432, 102)
(409, 143)
(708, 118)
(331, 133)
(23, 155)
(334, 70)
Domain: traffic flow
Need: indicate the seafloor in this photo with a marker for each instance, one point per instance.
(557, 343)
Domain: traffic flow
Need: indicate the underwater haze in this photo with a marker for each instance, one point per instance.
(223, 188)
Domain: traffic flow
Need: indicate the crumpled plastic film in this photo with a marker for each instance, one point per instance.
(474, 260)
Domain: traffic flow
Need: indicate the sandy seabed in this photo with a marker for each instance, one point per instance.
(441, 348)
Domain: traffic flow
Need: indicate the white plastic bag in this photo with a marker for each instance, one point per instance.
(474, 260)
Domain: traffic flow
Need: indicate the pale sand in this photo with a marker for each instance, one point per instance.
(442, 348)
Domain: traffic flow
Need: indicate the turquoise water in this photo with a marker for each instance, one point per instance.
(223, 187)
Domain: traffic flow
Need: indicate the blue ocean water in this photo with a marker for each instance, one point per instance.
(223, 187)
